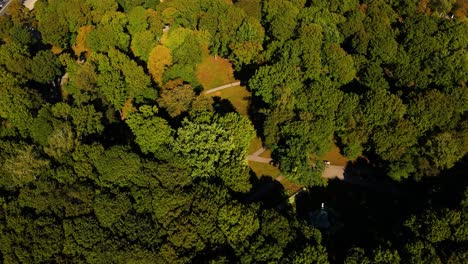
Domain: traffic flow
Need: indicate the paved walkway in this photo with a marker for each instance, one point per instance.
(330, 172)
(256, 157)
(3, 9)
(258, 152)
(259, 159)
(219, 88)
(27, 3)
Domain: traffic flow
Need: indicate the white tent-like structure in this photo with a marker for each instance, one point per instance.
(29, 4)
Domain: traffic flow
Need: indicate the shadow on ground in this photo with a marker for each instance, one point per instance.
(223, 106)
(370, 208)
(267, 191)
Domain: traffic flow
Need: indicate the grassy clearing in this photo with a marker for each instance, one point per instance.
(267, 170)
(290, 187)
(266, 154)
(335, 157)
(56, 50)
(213, 72)
(263, 169)
(210, 74)
(238, 96)
(255, 144)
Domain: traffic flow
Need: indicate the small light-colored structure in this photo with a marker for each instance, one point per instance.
(29, 4)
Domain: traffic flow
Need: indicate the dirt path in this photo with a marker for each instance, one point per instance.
(219, 88)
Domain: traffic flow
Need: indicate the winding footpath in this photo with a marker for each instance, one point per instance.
(330, 172)
(219, 88)
(255, 156)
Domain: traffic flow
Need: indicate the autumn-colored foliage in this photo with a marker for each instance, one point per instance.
(126, 108)
(214, 71)
(159, 59)
(80, 45)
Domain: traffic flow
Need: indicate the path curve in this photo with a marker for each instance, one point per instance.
(219, 88)
(259, 151)
(330, 172)
(255, 156)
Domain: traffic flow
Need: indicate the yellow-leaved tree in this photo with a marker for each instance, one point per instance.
(81, 45)
(159, 59)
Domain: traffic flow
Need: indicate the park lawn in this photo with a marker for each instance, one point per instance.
(334, 156)
(238, 96)
(255, 145)
(213, 72)
(263, 169)
(56, 50)
(290, 187)
(266, 154)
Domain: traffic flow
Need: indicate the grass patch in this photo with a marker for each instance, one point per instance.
(213, 72)
(255, 145)
(267, 170)
(263, 169)
(266, 154)
(238, 96)
(56, 50)
(335, 157)
(290, 187)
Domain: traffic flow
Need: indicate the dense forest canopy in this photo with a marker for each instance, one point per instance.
(112, 152)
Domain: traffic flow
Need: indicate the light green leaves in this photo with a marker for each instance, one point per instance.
(152, 133)
(205, 147)
(214, 143)
(237, 222)
(117, 166)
